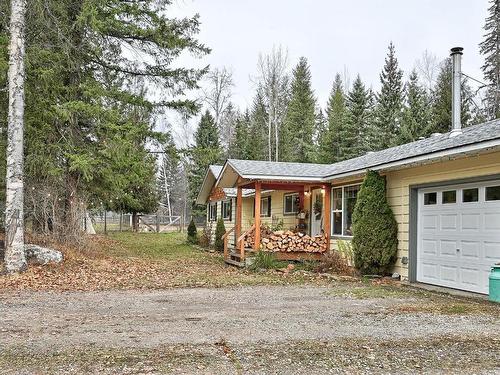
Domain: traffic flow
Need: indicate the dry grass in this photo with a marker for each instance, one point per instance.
(136, 261)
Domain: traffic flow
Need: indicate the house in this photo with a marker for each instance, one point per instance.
(443, 190)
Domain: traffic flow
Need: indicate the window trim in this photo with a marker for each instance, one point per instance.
(210, 205)
(225, 203)
(285, 195)
(342, 211)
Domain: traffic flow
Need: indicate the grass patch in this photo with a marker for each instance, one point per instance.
(368, 291)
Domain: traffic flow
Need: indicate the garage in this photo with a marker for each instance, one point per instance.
(458, 235)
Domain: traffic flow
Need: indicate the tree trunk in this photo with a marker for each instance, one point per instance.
(15, 258)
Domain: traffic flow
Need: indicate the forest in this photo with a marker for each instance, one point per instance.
(99, 75)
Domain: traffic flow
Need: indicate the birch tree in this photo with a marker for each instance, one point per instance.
(15, 258)
(273, 80)
(217, 96)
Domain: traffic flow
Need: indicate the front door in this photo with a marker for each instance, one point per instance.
(316, 212)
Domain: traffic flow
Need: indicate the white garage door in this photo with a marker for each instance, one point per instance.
(458, 235)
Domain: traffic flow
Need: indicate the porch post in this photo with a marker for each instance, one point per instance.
(239, 201)
(327, 214)
(301, 199)
(256, 245)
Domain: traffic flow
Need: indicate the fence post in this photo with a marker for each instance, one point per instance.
(157, 222)
(105, 224)
(121, 220)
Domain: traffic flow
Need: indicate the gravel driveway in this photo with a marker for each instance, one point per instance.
(260, 329)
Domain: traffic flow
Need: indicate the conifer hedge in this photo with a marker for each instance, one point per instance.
(220, 230)
(375, 229)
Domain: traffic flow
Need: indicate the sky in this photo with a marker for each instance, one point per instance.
(334, 36)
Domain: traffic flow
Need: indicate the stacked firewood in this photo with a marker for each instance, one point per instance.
(288, 241)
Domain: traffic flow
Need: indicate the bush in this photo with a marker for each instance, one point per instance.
(333, 262)
(205, 238)
(220, 230)
(375, 230)
(266, 260)
(192, 234)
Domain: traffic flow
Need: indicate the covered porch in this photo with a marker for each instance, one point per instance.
(304, 205)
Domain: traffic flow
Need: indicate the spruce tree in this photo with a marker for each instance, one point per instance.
(336, 110)
(298, 130)
(257, 140)
(416, 113)
(490, 48)
(239, 146)
(205, 152)
(441, 101)
(355, 135)
(389, 103)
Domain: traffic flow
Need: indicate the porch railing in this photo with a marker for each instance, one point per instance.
(225, 238)
(240, 242)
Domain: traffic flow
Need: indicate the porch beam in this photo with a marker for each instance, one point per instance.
(327, 214)
(256, 244)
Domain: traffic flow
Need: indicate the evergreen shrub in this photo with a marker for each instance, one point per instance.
(375, 229)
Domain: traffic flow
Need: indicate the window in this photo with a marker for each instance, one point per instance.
(343, 202)
(470, 195)
(212, 211)
(265, 207)
(493, 193)
(430, 198)
(449, 196)
(227, 209)
(291, 203)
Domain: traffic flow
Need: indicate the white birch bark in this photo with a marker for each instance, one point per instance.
(15, 257)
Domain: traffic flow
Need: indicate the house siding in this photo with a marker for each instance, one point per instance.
(398, 191)
(399, 183)
(277, 201)
(228, 224)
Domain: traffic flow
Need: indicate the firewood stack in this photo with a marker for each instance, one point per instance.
(288, 241)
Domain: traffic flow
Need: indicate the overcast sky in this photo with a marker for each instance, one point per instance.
(334, 35)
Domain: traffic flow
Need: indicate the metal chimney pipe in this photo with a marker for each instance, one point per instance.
(456, 58)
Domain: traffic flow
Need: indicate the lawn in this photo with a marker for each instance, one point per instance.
(126, 260)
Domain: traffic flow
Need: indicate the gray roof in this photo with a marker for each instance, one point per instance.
(281, 169)
(471, 135)
(216, 170)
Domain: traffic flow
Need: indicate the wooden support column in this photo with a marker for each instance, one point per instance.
(301, 199)
(237, 224)
(256, 245)
(327, 214)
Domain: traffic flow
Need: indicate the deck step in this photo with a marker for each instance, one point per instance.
(235, 263)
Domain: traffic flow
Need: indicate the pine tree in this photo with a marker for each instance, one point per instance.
(257, 140)
(416, 113)
(220, 230)
(239, 147)
(330, 144)
(490, 48)
(298, 130)
(389, 102)
(442, 99)
(205, 152)
(192, 233)
(355, 136)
